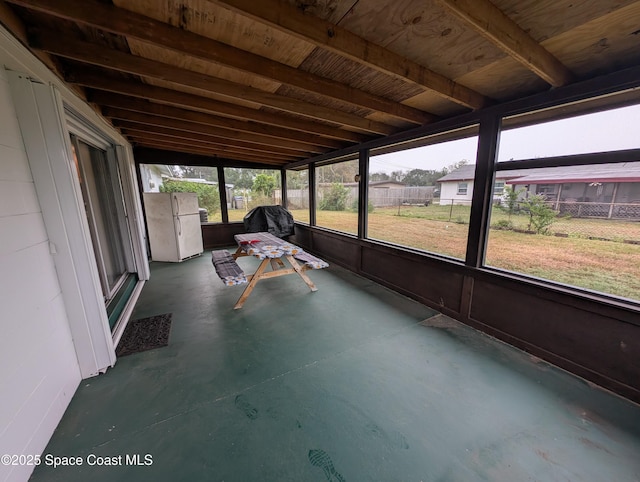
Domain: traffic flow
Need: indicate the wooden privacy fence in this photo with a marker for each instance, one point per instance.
(379, 197)
(413, 195)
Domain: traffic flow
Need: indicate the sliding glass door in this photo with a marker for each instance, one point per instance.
(106, 214)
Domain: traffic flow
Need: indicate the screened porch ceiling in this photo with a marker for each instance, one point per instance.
(272, 82)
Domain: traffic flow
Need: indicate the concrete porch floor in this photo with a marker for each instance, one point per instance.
(350, 383)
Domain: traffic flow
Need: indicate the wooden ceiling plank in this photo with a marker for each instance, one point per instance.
(195, 128)
(161, 138)
(209, 158)
(139, 27)
(210, 153)
(186, 136)
(150, 155)
(16, 26)
(260, 162)
(314, 132)
(285, 17)
(177, 145)
(493, 24)
(136, 136)
(143, 106)
(61, 45)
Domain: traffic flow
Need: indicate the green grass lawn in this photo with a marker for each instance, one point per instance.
(611, 267)
(610, 229)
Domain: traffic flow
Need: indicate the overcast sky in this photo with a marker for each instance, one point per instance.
(604, 131)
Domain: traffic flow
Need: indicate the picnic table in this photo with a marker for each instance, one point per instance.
(272, 252)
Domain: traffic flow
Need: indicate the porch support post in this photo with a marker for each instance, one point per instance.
(483, 188)
(613, 199)
(559, 195)
(222, 189)
(363, 192)
(283, 188)
(312, 194)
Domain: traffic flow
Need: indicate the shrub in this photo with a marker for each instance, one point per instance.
(541, 216)
(509, 201)
(354, 206)
(258, 199)
(335, 199)
(503, 224)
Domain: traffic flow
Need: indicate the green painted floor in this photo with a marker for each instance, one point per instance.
(350, 383)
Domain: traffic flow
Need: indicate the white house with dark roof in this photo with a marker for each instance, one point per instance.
(601, 190)
(457, 186)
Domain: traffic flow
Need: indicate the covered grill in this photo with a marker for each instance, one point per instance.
(272, 219)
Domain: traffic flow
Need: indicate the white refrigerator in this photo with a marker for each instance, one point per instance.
(173, 223)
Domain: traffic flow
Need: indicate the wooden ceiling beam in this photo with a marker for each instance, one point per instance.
(287, 18)
(150, 155)
(493, 24)
(133, 25)
(213, 154)
(314, 132)
(58, 44)
(193, 127)
(146, 107)
(16, 26)
(217, 148)
(166, 132)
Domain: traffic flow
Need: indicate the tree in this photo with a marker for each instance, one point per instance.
(298, 179)
(422, 177)
(415, 177)
(378, 176)
(208, 195)
(240, 178)
(396, 176)
(340, 172)
(264, 184)
(195, 172)
(455, 166)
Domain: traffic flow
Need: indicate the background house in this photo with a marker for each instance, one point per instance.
(611, 190)
(457, 186)
(152, 175)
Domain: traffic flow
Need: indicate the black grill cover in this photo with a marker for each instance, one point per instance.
(272, 219)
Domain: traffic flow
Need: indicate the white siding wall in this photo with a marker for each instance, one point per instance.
(39, 371)
(151, 178)
(449, 193)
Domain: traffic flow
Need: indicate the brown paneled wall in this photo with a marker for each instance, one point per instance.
(220, 235)
(597, 341)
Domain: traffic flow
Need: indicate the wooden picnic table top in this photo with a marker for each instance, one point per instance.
(265, 245)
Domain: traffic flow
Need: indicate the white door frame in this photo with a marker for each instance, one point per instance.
(41, 119)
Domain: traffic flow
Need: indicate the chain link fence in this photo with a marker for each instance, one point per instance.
(618, 222)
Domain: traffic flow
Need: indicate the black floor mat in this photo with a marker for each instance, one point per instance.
(145, 334)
